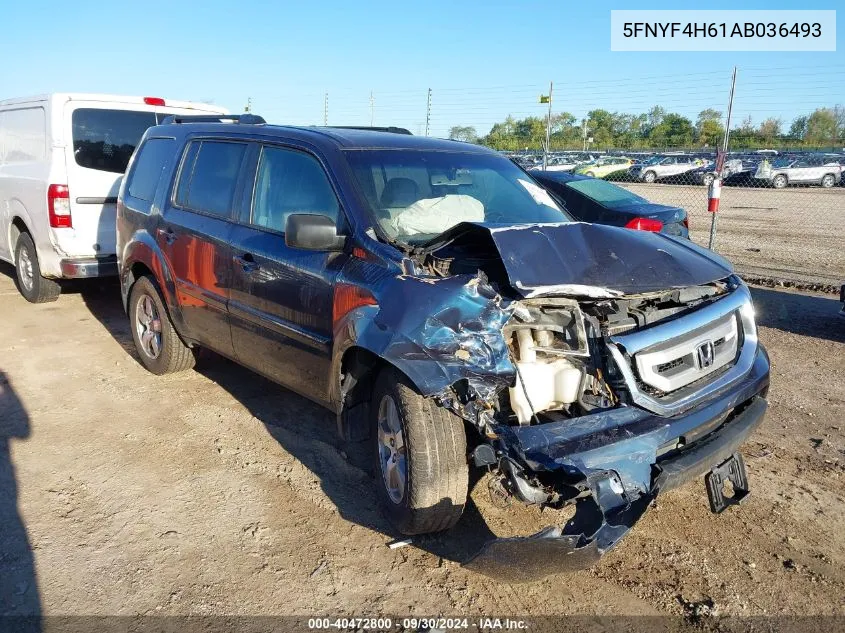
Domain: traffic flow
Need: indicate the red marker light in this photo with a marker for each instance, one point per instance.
(154, 101)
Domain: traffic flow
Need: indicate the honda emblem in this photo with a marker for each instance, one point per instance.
(706, 354)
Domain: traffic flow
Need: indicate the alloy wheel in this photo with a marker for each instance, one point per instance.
(391, 450)
(148, 326)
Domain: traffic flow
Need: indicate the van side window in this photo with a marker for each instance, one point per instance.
(23, 136)
(207, 182)
(147, 168)
(289, 181)
(105, 139)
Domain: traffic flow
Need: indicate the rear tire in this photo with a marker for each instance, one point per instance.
(828, 180)
(650, 176)
(158, 344)
(419, 454)
(779, 181)
(33, 287)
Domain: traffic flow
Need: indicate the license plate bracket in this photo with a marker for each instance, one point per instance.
(732, 470)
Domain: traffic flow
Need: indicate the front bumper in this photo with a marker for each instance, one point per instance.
(89, 267)
(627, 457)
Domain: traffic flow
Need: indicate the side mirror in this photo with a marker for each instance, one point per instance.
(313, 232)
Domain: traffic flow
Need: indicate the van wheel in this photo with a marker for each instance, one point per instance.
(419, 450)
(159, 346)
(33, 287)
(828, 181)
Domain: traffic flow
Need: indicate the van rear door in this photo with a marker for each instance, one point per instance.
(101, 141)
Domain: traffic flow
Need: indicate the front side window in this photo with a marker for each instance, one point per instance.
(288, 182)
(414, 195)
(209, 175)
(147, 168)
(105, 139)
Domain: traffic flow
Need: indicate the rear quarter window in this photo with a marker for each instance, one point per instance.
(105, 139)
(22, 136)
(153, 155)
(207, 181)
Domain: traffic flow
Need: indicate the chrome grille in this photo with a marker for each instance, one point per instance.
(671, 366)
(678, 362)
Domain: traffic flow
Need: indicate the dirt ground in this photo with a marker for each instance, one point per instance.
(217, 492)
(796, 234)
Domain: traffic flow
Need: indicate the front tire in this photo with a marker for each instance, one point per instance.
(158, 345)
(33, 287)
(419, 450)
(650, 177)
(779, 181)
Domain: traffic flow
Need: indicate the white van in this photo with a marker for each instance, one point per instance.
(62, 157)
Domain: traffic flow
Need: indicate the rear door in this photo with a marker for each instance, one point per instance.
(97, 150)
(282, 297)
(194, 233)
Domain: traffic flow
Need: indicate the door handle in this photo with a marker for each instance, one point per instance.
(246, 262)
(168, 235)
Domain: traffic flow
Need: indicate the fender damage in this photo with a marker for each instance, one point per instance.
(456, 325)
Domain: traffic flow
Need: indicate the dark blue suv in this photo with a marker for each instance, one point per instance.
(447, 308)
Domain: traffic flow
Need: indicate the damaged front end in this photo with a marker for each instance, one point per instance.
(597, 396)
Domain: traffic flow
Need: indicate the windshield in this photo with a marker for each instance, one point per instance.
(606, 193)
(415, 195)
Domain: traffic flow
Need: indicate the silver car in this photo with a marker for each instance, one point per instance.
(663, 166)
(803, 170)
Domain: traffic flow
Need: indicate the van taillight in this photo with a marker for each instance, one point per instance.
(154, 101)
(58, 207)
(645, 224)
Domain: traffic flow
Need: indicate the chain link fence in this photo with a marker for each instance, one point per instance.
(781, 215)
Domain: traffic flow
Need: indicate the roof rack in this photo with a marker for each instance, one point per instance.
(242, 119)
(392, 129)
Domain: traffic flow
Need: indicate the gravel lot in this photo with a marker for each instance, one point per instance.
(793, 234)
(217, 492)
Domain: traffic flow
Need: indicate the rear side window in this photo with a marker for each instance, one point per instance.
(23, 136)
(147, 168)
(105, 139)
(207, 182)
(290, 181)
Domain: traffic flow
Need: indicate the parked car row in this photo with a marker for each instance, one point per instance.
(763, 168)
(446, 307)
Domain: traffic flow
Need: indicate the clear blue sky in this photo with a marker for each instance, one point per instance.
(483, 60)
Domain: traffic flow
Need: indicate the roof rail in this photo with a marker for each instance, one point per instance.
(243, 119)
(392, 129)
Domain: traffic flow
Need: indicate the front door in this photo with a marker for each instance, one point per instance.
(282, 297)
(194, 235)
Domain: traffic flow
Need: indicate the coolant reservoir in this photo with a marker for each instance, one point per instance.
(550, 384)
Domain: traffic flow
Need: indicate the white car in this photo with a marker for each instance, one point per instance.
(663, 166)
(62, 157)
(805, 170)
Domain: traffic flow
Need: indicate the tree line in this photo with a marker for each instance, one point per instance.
(657, 128)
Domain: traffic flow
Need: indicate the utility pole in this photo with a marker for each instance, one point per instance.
(372, 108)
(546, 147)
(715, 189)
(428, 113)
(326, 109)
(584, 133)
(248, 106)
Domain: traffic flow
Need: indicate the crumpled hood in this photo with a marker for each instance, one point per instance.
(596, 260)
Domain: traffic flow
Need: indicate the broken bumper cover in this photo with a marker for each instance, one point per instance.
(627, 457)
